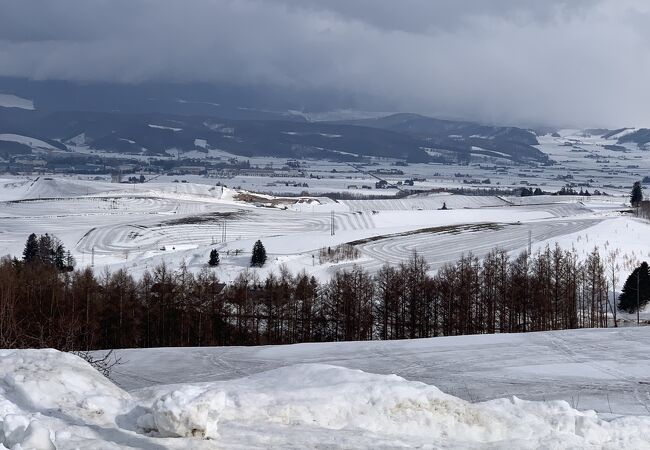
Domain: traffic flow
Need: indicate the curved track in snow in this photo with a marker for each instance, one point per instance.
(441, 248)
(128, 237)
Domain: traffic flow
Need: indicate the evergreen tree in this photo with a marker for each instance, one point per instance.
(48, 250)
(258, 257)
(30, 253)
(637, 194)
(69, 262)
(59, 257)
(214, 258)
(627, 301)
(45, 249)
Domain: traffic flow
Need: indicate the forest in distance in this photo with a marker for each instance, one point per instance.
(44, 304)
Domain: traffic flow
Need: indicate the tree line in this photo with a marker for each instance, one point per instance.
(42, 305)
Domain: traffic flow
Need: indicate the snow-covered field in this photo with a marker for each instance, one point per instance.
(584, 161)
(602, 369)
(340, 395)
(140, 226)
(533, 390)
(13, 101)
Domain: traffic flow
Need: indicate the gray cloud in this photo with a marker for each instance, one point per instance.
(579, 62)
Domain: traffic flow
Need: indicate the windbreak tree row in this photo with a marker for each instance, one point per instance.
(42, 306)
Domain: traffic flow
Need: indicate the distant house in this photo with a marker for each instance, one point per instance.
(381, 184)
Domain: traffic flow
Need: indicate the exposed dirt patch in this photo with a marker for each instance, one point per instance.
(447, 229)
(205, 218)
(271, 202)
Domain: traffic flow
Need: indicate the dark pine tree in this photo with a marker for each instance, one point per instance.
(46, 249)
(69, 262)
(49, 251)
(214, 258)
(259, 255)
(627, 301)
(59, 258)
(30, 253)
(637, 194)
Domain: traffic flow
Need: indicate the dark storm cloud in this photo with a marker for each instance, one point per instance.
(578, 62)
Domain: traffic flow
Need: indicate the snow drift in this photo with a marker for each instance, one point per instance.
(336, 398)
(44, 393)
(53, 400)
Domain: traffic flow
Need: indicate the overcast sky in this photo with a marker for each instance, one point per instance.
(559, 62)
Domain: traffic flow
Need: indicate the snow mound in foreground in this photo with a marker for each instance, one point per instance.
(42, 391)
(54, 400)
(335, 398)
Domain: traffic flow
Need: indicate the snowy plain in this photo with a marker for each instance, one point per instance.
(112, 225)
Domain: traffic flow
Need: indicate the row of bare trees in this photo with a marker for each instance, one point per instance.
(79, 310)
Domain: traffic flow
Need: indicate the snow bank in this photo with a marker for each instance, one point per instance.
(48, 379)
(42, 389)
(334, 398)
(51, 400)
(187, 412)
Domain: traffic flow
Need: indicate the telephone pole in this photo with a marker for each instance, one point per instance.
(332, 227)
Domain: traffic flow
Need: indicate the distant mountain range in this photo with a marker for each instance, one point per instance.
(390, 137)
(152, 119)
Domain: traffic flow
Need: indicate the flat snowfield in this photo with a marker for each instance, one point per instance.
(607, 370)
(343, 395)
(137, 227)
